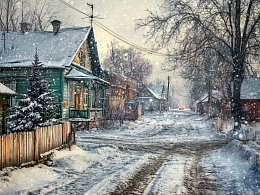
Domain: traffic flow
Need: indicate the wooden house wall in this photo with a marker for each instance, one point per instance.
(118, 93)
(20, 75)
(251, 109)
(77, 60)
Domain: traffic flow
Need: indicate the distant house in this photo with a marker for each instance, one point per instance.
(202, 104)
(121, 96)
(250, 98)
(153, 98)
(71, 64)
(5, 100)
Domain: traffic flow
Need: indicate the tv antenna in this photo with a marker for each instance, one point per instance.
(92, 14)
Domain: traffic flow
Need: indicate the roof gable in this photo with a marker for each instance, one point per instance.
(156, 90)
(53, 50)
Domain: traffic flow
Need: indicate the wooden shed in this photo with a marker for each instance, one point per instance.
(153, 98)
(5, 100)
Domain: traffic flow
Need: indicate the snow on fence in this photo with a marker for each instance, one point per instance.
(22, 147)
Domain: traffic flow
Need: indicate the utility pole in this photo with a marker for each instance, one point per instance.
(210, 98)
(168, 91)
(92, 10)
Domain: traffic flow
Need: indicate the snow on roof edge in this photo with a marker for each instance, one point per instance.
(154, 94)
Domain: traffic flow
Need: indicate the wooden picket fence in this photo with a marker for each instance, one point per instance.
(22, 147)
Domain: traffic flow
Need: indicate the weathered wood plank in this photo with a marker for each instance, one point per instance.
(44, 138)
(15, 150)
(11, 148)
(30, 147)
(41, 141)
(7, 149)
(24, 147)
(20, 140)
(60, 134)
(54, 136)
(63, 133)
(36, 145)
(47, 139)
(18, 149)
(27, 146)
(50, 136)
(57, 133)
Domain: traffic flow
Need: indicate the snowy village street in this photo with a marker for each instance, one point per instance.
(177, 152)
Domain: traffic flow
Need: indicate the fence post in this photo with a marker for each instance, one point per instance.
(15, 151)
(3, 151)
(36, 145)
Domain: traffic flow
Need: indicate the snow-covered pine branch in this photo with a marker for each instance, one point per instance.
(37, 108)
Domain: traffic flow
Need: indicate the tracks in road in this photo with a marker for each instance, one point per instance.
(196, 180)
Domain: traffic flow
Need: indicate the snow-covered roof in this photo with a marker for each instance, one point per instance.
(250, 88)
(53, 50)
(75, 74)
(156, 90)
(6, 91)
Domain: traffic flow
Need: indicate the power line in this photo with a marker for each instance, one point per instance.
(70, 6)
(127, 42)
(115, 34)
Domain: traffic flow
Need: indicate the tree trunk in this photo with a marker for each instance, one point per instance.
(236, 103)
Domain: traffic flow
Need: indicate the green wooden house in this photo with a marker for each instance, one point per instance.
(71, 64)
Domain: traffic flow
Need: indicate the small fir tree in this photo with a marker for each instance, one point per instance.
(37, 108)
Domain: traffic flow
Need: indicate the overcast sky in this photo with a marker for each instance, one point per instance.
(120, 16)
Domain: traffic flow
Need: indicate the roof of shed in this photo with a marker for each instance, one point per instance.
(250, 88)
(156, 90)
(54, 51)
(6, 91)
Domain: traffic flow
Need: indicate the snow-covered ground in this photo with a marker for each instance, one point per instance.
(107, 159)
(169, 179)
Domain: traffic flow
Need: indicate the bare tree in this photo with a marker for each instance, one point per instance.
(38, 12)
(190, 27)
(128, 62)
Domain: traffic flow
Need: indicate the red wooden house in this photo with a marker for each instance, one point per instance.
(250, 98)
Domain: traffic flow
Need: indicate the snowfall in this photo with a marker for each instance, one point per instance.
(104, 159)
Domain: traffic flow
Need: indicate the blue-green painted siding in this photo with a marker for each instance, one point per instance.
(20, 76)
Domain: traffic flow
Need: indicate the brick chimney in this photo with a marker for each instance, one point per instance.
(56, 26)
